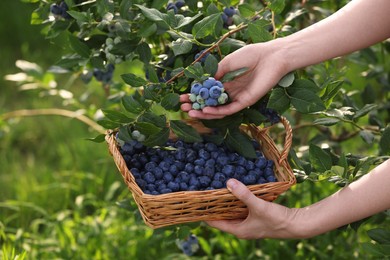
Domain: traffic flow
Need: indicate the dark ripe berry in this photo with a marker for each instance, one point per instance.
(209, 171)
(222, 160)
(149, 178)
(270, 163)
(217, 184)
(183, 186)
(149, 166)
(200, 162)
(151, 187)
(249, 165)
(261, 162)
(249, 179)
(165, 191)
(195, 88)
(204, 181)
(215, 91)
(210, 163)
(194, 181)
(173, 170)
(211, 102)
(240, 170)
(158, 172)
(198, 169)
(229, 11)
(184, 176)
(173, 186)
(208, 83)
(204, 93)
(141, 183)
(224, 18)
(271, 179)
(211, 147)
(269, 172)
(180, 3)
(55, 9)
(167, 177)
(164, 166)
(220, 177)
(172, 6)
(189, 167)
(228, 169)
(204, 154)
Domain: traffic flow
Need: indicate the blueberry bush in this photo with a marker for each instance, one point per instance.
(132, 59)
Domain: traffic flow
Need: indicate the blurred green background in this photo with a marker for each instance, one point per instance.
(61, 196)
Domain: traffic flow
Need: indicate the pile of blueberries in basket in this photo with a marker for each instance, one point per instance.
(180, 166)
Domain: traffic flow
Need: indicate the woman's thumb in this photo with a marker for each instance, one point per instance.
(242, 193)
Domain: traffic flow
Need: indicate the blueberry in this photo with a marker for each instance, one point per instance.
(195, 88)
(180, 3)
(149, 166)
(183, 186)
(204, 154)
(196, 106)
(270, 163)
(158, 173)
(222, 160)
(164, 166)
(268, 172)
(216, 184)
(180, 165)
(189, 167)
(173, 170)
(228, 169)
(224, 18)
(174, 186)
(55, 9)
(208, 83)
(261, 180)
(204, 181)
(229, 11)
(211, 102)
(215, 92)
(210, 163)
(200, 162)
(151, 187)
(249, 165)
(194, 181)
(184, 176)
(209, 171)
(223, 98)
(204, 93)
(203, 59)
(220, 177)
(198, 169)
(240, 170)
(141, 183)
(261, 162)
(168, 177)
(210, 147)
(149, 177)
(271, 179)
(166, 190)
(172, 6)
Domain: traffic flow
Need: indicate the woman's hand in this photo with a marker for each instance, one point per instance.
(265, 219)
(266, 67)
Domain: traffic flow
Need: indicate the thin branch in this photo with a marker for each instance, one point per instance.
(54, 111)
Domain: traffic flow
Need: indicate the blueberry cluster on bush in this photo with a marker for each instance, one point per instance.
(104, 75)
(176, 5)
(227, 16)
(181, 166)
(210, 92)
(60, 10)
(272, 116)
(189, 245)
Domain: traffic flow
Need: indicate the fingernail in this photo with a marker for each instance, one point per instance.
(231, 185)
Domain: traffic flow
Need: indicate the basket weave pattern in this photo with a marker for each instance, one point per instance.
(193, 206)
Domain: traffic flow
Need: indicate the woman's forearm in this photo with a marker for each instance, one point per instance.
(365, 197)
(357, 25)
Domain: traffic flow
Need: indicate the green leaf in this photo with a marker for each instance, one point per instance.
(158, 120)
(326, 121)
(79, 47)
(116, 116)
(246, 10)
(253, 116)
(240, 142)
(276, 5)
(185, 132)
(124, 133)
(159, 138)
(181, 46)
(384, 142)
(98, 139)
(133, 80)
(144, 52)
(207, 26)
(211, 65)
(367, 136)
(365, 110)
(132, 105)
(153, 14)
(170, 101)
(187, 20)
(81, 17)
(234, 74)
(287, 80)
(258, 32)
(279, 100)
(319, 159)
(194, 71)
(306, 101)
(108, 124)
(379, 235)
(147, 128)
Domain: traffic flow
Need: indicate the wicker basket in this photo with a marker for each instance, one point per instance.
(193, 206)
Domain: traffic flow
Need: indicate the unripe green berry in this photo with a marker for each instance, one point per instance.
(196, 106)
(192, 98)
(199, 99)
